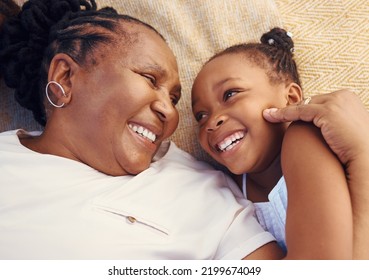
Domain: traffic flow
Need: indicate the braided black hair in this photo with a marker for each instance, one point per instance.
(274, 54)
(44, 28)
(8, 8)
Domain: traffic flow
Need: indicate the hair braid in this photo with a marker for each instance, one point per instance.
(282, 44)
(24, 40)
(44, 28)
(8, 8)
(274, 54)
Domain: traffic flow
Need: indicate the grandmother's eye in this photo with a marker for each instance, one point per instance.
(151, 79)
(174, 100)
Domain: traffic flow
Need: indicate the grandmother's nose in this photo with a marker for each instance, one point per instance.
(164, 108)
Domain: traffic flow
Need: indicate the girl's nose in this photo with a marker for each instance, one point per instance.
(215, 124)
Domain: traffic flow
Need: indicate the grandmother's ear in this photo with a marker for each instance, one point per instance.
(293, 94)
(62, 68)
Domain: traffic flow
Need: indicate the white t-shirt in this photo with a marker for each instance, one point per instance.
(179, 208)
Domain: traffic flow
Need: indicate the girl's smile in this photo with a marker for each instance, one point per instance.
(229, 95)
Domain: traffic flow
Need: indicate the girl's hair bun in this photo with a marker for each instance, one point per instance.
(279, 38)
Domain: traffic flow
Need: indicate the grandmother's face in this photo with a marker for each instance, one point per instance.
(130, 97)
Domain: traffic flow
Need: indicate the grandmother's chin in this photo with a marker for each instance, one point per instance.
(138, 169)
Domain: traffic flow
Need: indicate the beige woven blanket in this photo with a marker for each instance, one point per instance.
(332, 43)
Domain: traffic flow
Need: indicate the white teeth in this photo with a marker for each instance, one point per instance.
(231, 141)
(225, 144)
(143, 132)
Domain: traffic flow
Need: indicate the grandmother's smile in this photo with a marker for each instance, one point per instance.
(142, 131)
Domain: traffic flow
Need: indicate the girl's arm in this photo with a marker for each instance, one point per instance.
(343, 120)
(319, 214)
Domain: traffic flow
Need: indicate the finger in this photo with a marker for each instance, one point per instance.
(305, 110)
(292, 113)
(273, 115)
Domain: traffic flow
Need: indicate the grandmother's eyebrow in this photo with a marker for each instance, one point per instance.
(146, 66)
(154, 67)
(161, 72)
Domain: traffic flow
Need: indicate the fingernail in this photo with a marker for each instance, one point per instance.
(271, 110)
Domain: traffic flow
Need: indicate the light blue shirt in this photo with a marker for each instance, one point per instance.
(272, 214)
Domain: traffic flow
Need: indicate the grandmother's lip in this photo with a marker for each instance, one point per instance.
(143, 131)
(230, 141)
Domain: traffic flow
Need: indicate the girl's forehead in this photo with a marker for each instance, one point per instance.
(229, 59)
(227, 63)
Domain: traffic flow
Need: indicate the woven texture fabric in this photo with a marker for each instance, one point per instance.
(331, 44)
(331, 39)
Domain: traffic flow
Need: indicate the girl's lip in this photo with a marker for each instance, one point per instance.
(231, 149)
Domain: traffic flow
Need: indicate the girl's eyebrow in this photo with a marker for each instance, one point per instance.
(228, 79)
(217, 85)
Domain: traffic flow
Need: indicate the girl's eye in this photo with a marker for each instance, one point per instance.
(228, 94)
(199, 116)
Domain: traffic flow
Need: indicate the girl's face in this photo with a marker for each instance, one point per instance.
(125, 105)
(228, 97)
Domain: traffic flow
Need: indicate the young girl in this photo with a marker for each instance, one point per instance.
(228, 98)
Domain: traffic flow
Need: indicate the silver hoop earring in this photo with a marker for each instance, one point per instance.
(47, 93)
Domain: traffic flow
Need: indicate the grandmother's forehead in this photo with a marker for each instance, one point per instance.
(133, 28)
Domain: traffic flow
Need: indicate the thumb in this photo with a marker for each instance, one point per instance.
(273, 115)
(292, 113)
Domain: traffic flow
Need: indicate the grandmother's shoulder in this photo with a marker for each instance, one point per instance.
(170, 152)
(177, 164)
